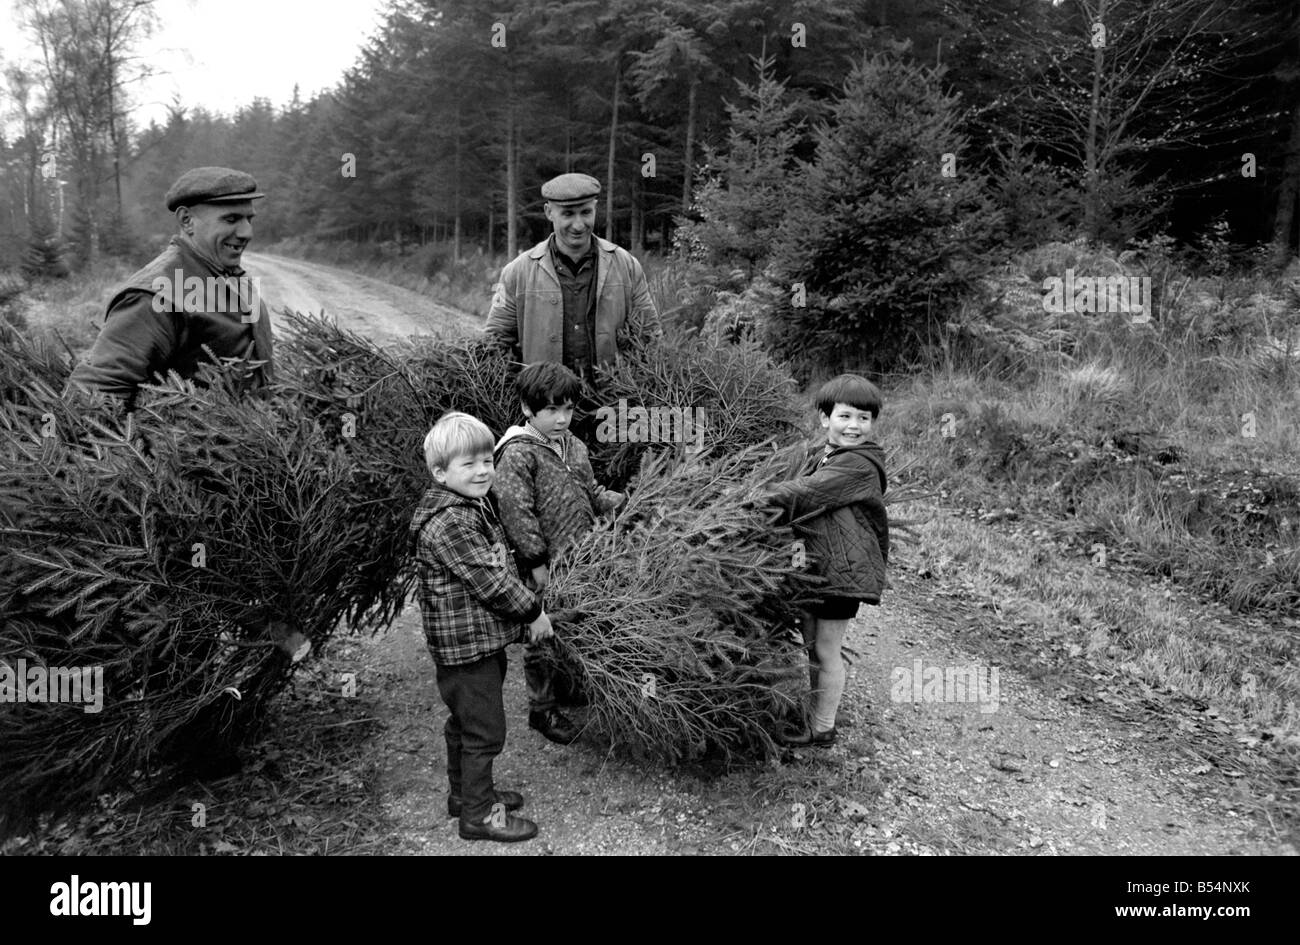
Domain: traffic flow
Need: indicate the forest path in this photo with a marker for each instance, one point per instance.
(371, 307)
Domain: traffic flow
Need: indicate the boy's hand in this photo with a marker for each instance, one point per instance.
(540, 629)
(541, 576)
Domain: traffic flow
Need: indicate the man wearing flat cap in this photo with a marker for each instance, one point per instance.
(191, 304)
(572, 296)
(570, 299)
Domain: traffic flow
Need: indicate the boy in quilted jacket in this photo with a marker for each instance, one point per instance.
(837, 506)
(473, 605)
(548, 498)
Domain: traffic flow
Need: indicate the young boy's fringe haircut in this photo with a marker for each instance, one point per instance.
(851, 389)
(455, 434)
(547, 382)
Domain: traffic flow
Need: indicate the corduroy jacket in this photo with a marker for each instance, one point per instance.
(527, 314)
(838, 506)
(471, 598)
(138, 340)
(547, 493)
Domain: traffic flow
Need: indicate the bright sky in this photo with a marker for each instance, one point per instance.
(223, 53)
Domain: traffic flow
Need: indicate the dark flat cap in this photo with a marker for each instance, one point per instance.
(570, 189)
(211, 185)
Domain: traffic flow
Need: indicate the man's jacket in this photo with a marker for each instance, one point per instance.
(146, 332)
(546, 492)
(471, 598)
(528, 306)
(847, 531)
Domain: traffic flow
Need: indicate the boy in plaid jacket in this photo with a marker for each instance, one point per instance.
(548, 498)
(473, 605)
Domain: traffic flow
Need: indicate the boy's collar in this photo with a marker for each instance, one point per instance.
(528, 425)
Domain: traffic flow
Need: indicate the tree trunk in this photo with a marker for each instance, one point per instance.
(455, 244)
(609, 167)
(512, 171)
(1092, 183)
(688, 161)
(1287, 195)
(637, 238)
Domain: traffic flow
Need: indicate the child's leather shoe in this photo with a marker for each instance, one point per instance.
(512, 799)
(499, 825)
(554, 726)
(822, 739)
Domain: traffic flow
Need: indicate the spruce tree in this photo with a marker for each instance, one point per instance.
(746, 190)
(891, 226)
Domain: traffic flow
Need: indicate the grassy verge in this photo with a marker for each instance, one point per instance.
(68, 311)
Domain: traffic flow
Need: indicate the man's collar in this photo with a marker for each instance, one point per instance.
(554, 249)
(185, 243)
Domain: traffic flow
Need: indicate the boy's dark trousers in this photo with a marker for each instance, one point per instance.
(476, 731)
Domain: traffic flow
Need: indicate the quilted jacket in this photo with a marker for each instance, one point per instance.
(471, 599)
(838, 508)
(546, 492)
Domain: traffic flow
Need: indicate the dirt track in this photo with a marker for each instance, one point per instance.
(368, 306)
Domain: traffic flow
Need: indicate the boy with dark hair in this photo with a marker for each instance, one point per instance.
(474, 605)
(548, 498)
(837, 504)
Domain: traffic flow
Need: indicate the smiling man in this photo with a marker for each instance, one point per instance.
(574, 295)
(193, 302)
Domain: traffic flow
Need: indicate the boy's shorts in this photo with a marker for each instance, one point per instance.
(835, 608)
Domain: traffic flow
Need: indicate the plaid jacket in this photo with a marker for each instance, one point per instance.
(471, 598)
(547, 493)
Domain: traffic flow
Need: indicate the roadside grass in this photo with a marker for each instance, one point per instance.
(1226, 688)
(68, 312)
(1176, 454)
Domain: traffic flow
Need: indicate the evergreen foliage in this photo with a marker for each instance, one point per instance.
(883, 240)
(191, 548)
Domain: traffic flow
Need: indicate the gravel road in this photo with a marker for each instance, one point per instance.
(367, 306)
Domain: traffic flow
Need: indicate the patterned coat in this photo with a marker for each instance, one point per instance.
(547, 493)
(471, 598)
(838, 506)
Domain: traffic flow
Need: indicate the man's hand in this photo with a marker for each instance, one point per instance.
(541, 576)
(540, 629)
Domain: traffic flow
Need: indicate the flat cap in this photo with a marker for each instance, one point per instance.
(211, 185)
(570, 189)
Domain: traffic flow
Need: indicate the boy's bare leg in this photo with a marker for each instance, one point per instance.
(831, 675)
(809, 629)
